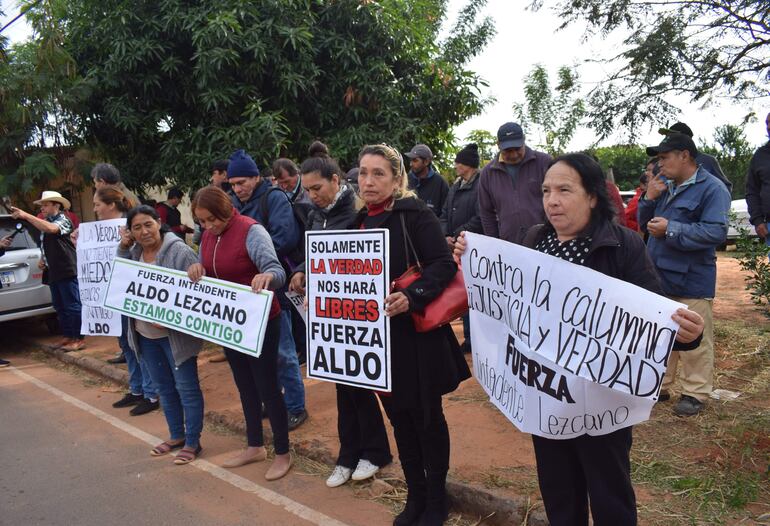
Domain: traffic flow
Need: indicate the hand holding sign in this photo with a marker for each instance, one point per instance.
(297, 283)
(196, 272)
(261, 281)
(396, 303)
(690, 325)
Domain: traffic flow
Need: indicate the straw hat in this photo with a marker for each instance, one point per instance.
(54, 197)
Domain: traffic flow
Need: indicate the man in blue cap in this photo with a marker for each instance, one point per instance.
(684, 210)
(253, 197)
(510, 187)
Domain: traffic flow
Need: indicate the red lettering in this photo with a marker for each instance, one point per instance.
(347, 309)
(355, 266)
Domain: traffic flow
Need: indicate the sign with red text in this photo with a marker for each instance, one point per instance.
(561, 349)
(348, 334)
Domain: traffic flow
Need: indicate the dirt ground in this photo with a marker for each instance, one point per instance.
(711, 469)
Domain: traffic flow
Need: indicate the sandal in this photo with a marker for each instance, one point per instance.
(164, 448)
(187, 455)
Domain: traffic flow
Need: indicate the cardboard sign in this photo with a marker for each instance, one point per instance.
(348, 333)
(96, 248)
(212, 309)
(563, 350)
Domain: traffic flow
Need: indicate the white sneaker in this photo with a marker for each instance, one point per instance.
(364, 470)
(339, 476)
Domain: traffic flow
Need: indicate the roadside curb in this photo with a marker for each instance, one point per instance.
(466, 499)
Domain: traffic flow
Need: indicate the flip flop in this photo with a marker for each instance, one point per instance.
(164, 448)
(187, 455)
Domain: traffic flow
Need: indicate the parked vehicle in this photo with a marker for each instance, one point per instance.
(739, 218)
(22, 292)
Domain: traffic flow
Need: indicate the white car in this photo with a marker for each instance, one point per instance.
(22, 292)
(739, 218)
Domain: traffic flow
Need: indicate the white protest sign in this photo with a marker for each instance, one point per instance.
(212, 309)
(348, 333)
(563, 350)
(298, 301)
(96, 248)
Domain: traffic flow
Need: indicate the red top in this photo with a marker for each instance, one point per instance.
(226, 256)
(614, 195)
(632, 209)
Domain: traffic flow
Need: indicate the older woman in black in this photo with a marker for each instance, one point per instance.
(581, 229)
(424, 366)
(364, 446)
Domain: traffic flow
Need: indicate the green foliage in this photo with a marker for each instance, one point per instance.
(176, 84)
(551, 115)
(753, 257)
(626, 160)
(734, 153)
(39, 96)
(698, 49)
(487, 143)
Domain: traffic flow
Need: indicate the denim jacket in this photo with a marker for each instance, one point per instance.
(697, 223)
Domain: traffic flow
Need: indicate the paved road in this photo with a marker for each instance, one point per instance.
(67, 457)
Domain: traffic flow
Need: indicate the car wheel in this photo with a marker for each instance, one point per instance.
(52, 323)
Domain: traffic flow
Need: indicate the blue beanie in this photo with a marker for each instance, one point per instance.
(242, 165)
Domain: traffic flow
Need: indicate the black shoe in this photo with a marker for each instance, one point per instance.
(436, 506)
(664, 396)
(688, 406)
(416, 496)
(118, 359)
(128, 400)
(296, 420)
(145, 406)
(4, 363)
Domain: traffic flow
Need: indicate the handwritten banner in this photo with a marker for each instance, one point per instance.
(96, 248)
(212, 309)
(563, 350)
(347, 331)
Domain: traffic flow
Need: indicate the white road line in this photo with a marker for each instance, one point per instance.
(292, 506)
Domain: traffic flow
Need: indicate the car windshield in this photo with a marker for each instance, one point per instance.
(21, 240)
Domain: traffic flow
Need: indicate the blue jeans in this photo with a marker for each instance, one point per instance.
(178, 388)
(289, 375)
(65, 298)
(139, 381)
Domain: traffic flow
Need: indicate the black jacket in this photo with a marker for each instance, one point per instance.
(618, 252)
(461, 209)
(758, 186)
(340, 217)
(426, 365)
(432, 190)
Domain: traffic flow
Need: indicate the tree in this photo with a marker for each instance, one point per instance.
(487, 143)
(39, 94)
(553, 116)
(626, 160)
(182, 83)
(698, 48)
(733, 152)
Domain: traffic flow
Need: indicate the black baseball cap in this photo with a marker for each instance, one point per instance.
(674, 141)
(510, 135)
(677, 127)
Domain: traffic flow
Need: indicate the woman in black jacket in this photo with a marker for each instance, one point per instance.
(424, 366)
(364, 446)
(581, 229)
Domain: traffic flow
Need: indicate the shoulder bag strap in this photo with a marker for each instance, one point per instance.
(408, 246)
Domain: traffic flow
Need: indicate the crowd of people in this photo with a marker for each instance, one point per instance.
(249, 231)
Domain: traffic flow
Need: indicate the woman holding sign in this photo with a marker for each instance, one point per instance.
(236, 248)
(425, 365)
(581, 229)
(364, 446)
(170, 356)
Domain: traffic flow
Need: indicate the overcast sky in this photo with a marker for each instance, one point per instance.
(524, 39)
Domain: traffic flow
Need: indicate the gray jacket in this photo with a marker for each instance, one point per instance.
(175, 254)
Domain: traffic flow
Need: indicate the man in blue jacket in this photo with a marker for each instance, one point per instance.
(253, 197)
(685, 213)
